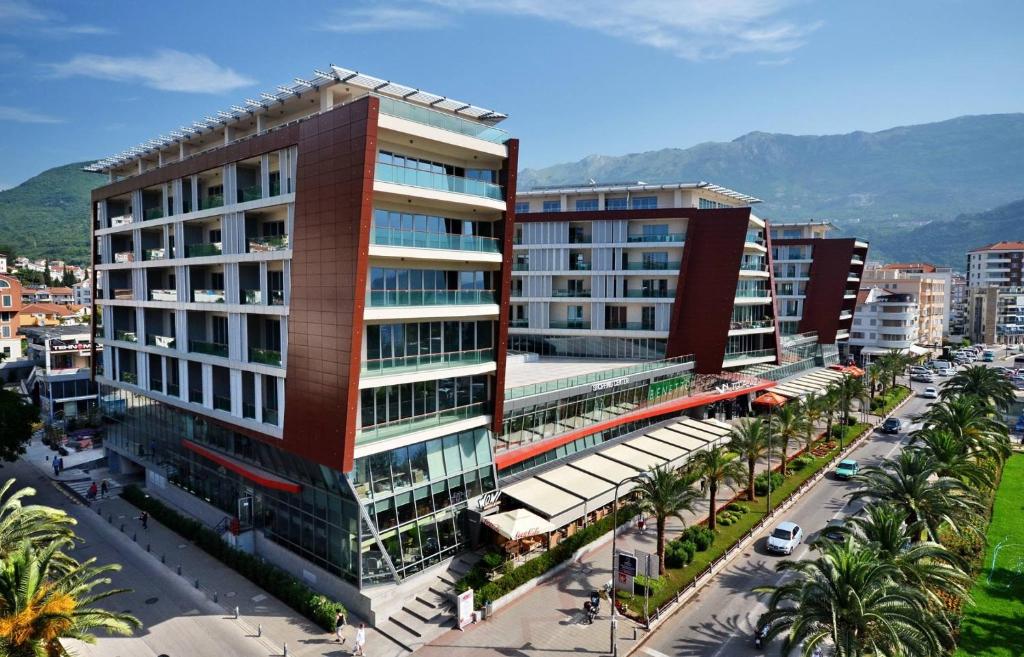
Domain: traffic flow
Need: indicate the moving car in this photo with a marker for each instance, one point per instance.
(785, 538)
(847, 468)
(930, 393)
(945, 371)
(923, 377)
(988, 356)
(892, 425)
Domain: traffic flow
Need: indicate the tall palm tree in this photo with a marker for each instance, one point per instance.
(714, 466)
(39, 525)
(787, 424)
(851, 600)
(875, 374)
(830, 406)
(953, 457)
(895, 363)
(813, 410)
(665, 493)
(971, 421)
(851, 389)
(750, 440)
(42, 603)
(982, 382)
(911, 483)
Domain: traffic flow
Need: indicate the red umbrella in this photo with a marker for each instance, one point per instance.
(771, 399)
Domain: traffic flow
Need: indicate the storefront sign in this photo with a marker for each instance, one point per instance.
(464, 608)
(57, 345)
(610, 383)
(726, 387)
(625, 571)
(488, 500)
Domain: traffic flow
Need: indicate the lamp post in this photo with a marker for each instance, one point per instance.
(615, 532)
(771, 416)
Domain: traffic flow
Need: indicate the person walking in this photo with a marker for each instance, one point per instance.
(144, 517)
(339, 624)
(91, 495)
(104, 488)
(360, 643)
(56, 466)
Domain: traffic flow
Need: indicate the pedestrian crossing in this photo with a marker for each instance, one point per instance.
(81, 487)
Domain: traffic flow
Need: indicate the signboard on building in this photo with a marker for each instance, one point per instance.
(625, 571)
(464, 609)
(60, 345)
(610, 383)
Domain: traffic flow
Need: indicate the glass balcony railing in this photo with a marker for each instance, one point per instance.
(199, 250)
(418, 423)
(268, 243)
(275, 186)
(264, 356)
(430, 297)
(124, 256)
(211, 201)
(153, 213)
(252, 296)
(276, 297)
(251, 193)
(121, 220)
(519, 323)
(122, 293)
(165, 341)
(579, 266)
(754, 266)
(249, 410)
(569, 323)
(208, 348)
(427, 240)
(222, 403)
(580, 238)
(593, 377)
(750, 324)
(269, 415)
(652, 265)
(650, 294)
(195, 395)
(755, 237)
(156, 384)
(163, 295)
(422, 362)
(743, 355)
(520, 266)
(173, 390)
(753, 292)
(440, 181)
(127, 336)
(570, 293)
(630, 326)
(208, 296)
(668, 237)
(154, 254)
(420, 114)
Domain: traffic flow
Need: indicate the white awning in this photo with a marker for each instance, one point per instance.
(606, 469)
(716, 428)
(640, 460)
(518, 523)
(695, 430)
(596, 491)
(684, 441)
(548, 501)
(670, 453)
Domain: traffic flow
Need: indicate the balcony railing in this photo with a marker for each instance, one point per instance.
(222, 403)
(269, 243)
(129, 377)
(570, 293)
(124, 256)
(122, 293)
(630, 326)
(154, 254)
(742, 355)
(430, 297)
(195, 395)
(251, 193)
(165, 341)
(579, 238)
(275, 186)
(419, 422)
(651, 294)
(269, 415)
(751, 324)
(421, 362)
(755, 266)
(153, 213)
(276, 297)
(439, 181)
(208, 296)
(427, 240)
(652, 265)
(199, 250)
(264, 356)
(252, 296)
(211, 201)
(163, 295)
(756, 292)
(593, 377)
(173, 390)
(579, 266)
(127, 336)
(155, 384)
(520, 266)
(419, 114)
(519, 323)
(208, 348)
(569, 323)
(669, 237)
(121, 220)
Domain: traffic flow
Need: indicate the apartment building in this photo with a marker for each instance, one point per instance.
(302, 305)
(998, 264)
(995, 315)
(816, 279)
(641, 271)
(958, 302)
(3, 263)
(928, 270)
(10, 321)
(61, 381)
(82, 292)
(885, 321)
(927, 291)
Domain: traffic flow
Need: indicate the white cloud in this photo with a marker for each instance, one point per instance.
(83, 29)
(781, 61)
(167, 70)
(19, 115)
(18, 10)
(20, 14)
(380, 19)
(690, 29)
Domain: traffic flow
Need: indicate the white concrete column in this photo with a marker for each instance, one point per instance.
(208, 385)
(258, 395)
(280, 400)
(236, 392)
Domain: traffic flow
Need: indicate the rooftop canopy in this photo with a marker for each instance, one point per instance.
(638, 186)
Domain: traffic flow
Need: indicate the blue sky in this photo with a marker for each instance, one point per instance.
(81, 80)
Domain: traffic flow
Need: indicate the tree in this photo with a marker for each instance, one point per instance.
(716, 469)
(851, 389)
(68, 278)
(875, 374)
(16, 418)
(830, 406)
(981, 382)
(953, 458)
(749, 439)
(665, 493)
(787, 424)
(894, 362)
(47, 280)
(813, 410)
(42, 601)
(911, 483)
(969, 420)
(33, 524)
(850, 599)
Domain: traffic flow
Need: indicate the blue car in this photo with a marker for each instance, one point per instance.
(847, 468)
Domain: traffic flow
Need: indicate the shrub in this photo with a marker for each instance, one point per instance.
(318, 608)
(761, 482)
(492, 560)
(801, 462)
(701, 537)
(738, 507)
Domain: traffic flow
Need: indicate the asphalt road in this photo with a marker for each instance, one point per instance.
(720, 620)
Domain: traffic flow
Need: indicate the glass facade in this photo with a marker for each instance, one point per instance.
(589, 346)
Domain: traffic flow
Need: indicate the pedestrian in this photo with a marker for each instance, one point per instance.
(360, 644)
(339, 624)
(703, 486)
(641, 524)
(103, 489)
(56, 467)
(92, 491)
(61, 461)
(144, 518)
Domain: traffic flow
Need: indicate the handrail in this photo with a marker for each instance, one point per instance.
(594, 377)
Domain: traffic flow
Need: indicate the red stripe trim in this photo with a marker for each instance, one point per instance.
(237, 468)
(529, 451)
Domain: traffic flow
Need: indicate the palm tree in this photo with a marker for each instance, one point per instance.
(813, 410)
(36, 524)
(848, 598)
(911, 483)
(41, 603)
(953, 457)
(875, 374)
(714, 466)
(851, 389)
(969, 420)
(788, 424)
(830, 406)
(895, 363)
(750, 440)
(665, 493)
(981, 382)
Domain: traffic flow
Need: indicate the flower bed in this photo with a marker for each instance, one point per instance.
(883, 404)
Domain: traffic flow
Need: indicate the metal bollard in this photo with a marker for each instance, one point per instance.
(179, 568)
(214, 595)
(236, 613)
(135, 537)
(285, 654)
(259, 630)
(163, 558)
(148, 546)
(197, 582)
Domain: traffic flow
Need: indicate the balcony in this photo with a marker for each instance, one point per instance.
(569, 323)
(265, 244)
(571, 293)
(121, 220)
(264, 356)
(745, 355)
(519, 323)
(418, 423)
(439, 181)
(275, 185)
(208, 296)
(651, 265)
(580, 238)
(173, 390)
(760, 266)
(200, 250)
(276, 297)
(208, 348)
(433, 118)
(579, 266)
(153, 213)
(126, 336)
(660, 239)
(123, 293)
(124, 256)
(164, 341)
(751, 324)
(163, 295)
(222, 403)
(758, 292)
(430, 297)
(129, 377)
(427, 240)
(650, 294)
(211, 201)
(154, 254)
(629, 326)
(520, 266)
(252, 297)
(424, 362)
(195, 395)
(251, 193)
(269, 415)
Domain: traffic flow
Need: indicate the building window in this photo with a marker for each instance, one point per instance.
(584, 204)
(617, 203)
(707, 204)
(7, 301)
(7, 331)
(645, 203)
(522, 207)
(552, 206)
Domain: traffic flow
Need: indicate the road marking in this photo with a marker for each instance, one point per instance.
(654, 653)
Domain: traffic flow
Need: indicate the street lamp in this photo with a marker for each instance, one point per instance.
(615, 532)
(771, 416)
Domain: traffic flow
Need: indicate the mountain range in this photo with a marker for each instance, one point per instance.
(920, 192)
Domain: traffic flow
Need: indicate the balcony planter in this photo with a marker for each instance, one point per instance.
(165, 341)
(124, 256)
(264, 356)
(154, 254)
(200, 250)
(264, 244)
(163, 295)
(208, 296)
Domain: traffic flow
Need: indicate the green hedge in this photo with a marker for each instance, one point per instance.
(284, 587)
(883, 404)
(485, 590)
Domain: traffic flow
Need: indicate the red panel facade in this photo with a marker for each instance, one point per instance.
(507, 230)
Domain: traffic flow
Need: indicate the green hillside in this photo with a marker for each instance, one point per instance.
(47, 216)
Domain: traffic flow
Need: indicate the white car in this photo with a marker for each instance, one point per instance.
(785, 538)
(930, 393)
(945, 371)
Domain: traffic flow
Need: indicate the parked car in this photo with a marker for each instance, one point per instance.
(1018, 360)
(892, 425)
(785, 538)
(847, 468)
(988, 356)
(917, 369)
(923, 377)
(946, 371)
(930, 393)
